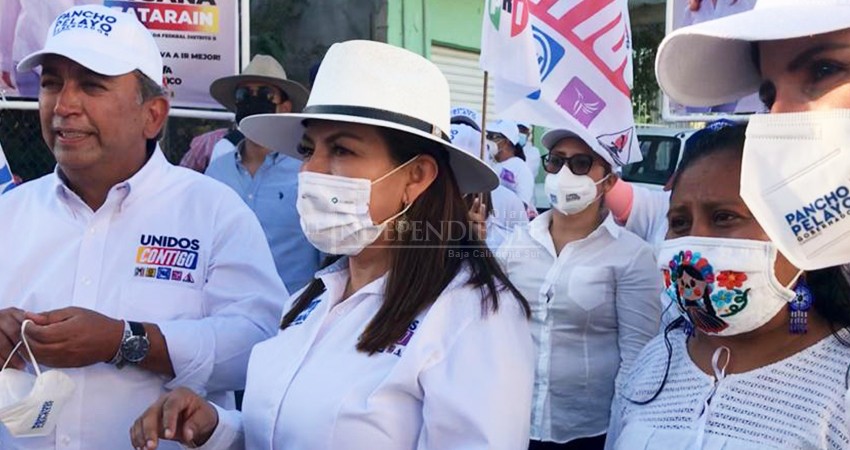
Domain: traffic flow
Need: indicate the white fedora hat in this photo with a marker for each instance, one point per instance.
(711, 63)
(376, 84)
(262, 69)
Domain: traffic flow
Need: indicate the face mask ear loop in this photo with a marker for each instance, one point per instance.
(794, 280)
(11, 355)
(386, 175)
(27, 346)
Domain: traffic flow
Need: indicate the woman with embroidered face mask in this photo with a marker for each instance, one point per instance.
(413, 338)
(593, 295)
(760, 359)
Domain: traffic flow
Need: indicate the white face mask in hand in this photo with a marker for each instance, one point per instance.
(334, 211)
(30, 404)
(795, 178)
(723, 286)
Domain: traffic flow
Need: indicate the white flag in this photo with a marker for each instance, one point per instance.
(6, 180)
(507, 45)
(583, 51)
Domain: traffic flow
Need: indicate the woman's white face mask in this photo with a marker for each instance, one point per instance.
(334, 211)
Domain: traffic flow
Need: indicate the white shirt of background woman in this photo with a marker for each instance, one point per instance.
(594, 306)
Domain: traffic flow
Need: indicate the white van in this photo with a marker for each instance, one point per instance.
(662, 149)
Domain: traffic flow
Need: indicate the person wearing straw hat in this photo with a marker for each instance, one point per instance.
(594, 295)
(265, 179)
(260, 89)
(137, 275)
(412, 337)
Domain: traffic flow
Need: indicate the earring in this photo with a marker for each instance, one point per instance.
(799, 308)
(402, 225)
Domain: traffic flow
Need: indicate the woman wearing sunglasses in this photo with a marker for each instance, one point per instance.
(593, 295)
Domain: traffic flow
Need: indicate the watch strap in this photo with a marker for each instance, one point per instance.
(137, 329)
(117, 359)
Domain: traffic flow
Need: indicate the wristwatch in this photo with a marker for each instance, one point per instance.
(134, 345)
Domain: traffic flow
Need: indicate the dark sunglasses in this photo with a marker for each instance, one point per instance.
(579, 164)
(265, 92)
(495, 137)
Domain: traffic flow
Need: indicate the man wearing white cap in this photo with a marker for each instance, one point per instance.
(510, 160)
(266, 180)
(133, 271)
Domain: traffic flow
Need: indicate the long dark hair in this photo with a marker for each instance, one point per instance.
(423, 263)
(829, 286)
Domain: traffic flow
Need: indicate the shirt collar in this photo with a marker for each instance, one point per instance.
(148, 177)
(539, 228)
(272, 156)
(335, 276)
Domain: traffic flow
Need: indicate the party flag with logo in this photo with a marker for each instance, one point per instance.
(507, 45)
(583, 56)
(7, 181)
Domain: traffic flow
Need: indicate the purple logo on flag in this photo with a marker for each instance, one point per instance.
(579, 101)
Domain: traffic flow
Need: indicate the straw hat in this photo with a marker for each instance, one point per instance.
(262, 69)
(376, 84)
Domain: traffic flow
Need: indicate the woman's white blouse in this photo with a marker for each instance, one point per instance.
(594, 306)
(459, 378)
(798, 403)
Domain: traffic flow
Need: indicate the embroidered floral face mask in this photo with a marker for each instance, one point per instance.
(723, 286)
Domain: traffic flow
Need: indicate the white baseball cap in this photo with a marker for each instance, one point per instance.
(711, 63)
(469, 116)
(376, 84)
(506, 128)
(103, 40)
(551, 138)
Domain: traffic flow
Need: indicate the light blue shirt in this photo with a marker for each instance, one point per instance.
(271, 194)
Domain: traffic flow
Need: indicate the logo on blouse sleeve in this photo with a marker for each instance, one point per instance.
(398, 348)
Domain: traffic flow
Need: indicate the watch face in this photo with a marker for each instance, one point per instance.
(135, 348)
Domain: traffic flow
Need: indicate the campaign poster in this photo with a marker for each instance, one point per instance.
(198, 40)
(681, 13)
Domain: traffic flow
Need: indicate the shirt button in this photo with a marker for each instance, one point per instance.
(66, 440)
(92, 230)
(86, 281)
(250, 196)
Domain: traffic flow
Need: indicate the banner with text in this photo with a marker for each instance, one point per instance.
(198, 39)
(583, 55)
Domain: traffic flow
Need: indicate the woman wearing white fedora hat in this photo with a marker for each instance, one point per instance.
(413, 338)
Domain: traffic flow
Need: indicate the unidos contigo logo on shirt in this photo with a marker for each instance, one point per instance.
(808, 221)
(84, 20)
(167, 251)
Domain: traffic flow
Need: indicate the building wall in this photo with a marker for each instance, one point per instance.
(417, 24)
